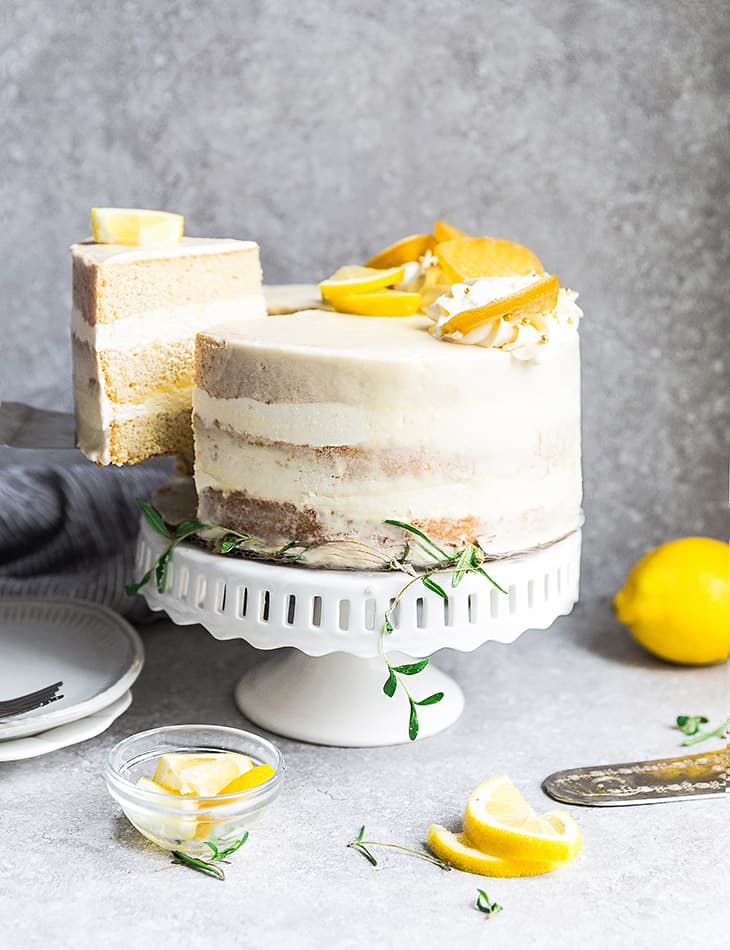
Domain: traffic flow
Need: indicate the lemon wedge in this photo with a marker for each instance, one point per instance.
(185, 773)
(499, 821)
(458, 851)
(135, 226)
(166, 826)
(353, 279)
(255, 776)
(381, 303)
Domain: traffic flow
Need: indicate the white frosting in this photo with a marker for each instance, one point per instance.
(535, 339)
(92, 253)
(416, 271)
(169, 326)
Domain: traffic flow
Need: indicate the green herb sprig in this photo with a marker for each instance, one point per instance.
(690, 726)
(485, 905)
(229, 542)
(218, 857)
(363, 846)
(469, 560)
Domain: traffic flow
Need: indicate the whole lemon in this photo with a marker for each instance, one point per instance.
(676, 601)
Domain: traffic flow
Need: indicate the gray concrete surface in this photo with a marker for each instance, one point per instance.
(74, 874)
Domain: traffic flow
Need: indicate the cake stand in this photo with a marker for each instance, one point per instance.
(329, 688)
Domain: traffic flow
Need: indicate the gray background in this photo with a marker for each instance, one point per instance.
(593, 132)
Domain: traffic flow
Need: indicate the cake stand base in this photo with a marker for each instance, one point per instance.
(338, 699)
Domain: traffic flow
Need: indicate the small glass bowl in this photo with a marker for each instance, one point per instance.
(186, 823)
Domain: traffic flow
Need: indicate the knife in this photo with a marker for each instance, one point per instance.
(25, 427)
(701, 775)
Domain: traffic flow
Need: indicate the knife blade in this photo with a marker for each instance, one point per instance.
(700, 775)
(26, 427)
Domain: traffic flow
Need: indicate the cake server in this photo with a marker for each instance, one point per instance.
(700, 775)
(25, 427)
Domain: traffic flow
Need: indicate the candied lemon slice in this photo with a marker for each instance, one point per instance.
(443, 231)
(499, 821)
(352, 279)
(468, 257)
(135, 226)
(382, 303)
(407, 249)
(200, 774)
(537, 298)
(458, 851)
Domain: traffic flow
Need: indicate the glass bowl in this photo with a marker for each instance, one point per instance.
(186, 823)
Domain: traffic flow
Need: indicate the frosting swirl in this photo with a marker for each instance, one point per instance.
(535, 337)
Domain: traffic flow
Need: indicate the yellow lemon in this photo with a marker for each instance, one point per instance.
(458, 851)
(381, 303)
(255, 776)
(135, 226)
(353, 279)
(199, 773)
(499, 821)
(676, 601)
(177, 822)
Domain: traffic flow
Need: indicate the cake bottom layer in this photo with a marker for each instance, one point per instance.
(138, 438)
(330, 542)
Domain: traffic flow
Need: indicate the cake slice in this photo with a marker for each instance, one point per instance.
(136, 311)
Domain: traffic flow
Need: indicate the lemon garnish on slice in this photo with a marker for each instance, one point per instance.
(135, 226)
(380, 303)
(499, 821)
(539, 297)
(352, 279)
(200, 774)
(467, 257)
(407, 249)
(458, 851)
(443, 231)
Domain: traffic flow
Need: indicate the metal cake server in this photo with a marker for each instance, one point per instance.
(701, 775)
(25, 427)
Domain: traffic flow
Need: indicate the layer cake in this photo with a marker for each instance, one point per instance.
(136, 311)
(316, 427)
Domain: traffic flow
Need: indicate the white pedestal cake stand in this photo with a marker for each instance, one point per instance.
(329, 689)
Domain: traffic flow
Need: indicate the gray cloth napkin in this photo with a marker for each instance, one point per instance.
(71, 532)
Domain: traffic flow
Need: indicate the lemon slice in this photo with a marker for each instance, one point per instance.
(407, 249)
(381, 303)
(353, 279)
(461, 258)
(255, 776)
(499, 821)
(135, 226)
(202, 774)
(539, 297)
(459, 852)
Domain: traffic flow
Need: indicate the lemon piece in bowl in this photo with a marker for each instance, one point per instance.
(187, 773)
(500, 822)
(165, 821)
(135, 226)
(676, 601)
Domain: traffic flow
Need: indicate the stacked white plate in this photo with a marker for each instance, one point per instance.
(93, 651)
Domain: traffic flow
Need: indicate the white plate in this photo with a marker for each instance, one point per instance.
(79, 731)
(93, 650)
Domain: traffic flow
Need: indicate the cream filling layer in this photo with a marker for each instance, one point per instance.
(443, 427)
(485, 494)
(103, 411)
(181, 323)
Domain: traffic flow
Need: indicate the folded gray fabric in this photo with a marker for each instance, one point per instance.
(71, 532)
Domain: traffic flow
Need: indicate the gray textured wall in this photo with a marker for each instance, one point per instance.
(592, 131)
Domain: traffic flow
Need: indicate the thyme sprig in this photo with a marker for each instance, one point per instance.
(227, 543)
(690, 726)
(363, 846)
(469, 560)
(211, 867)
(485, 905)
